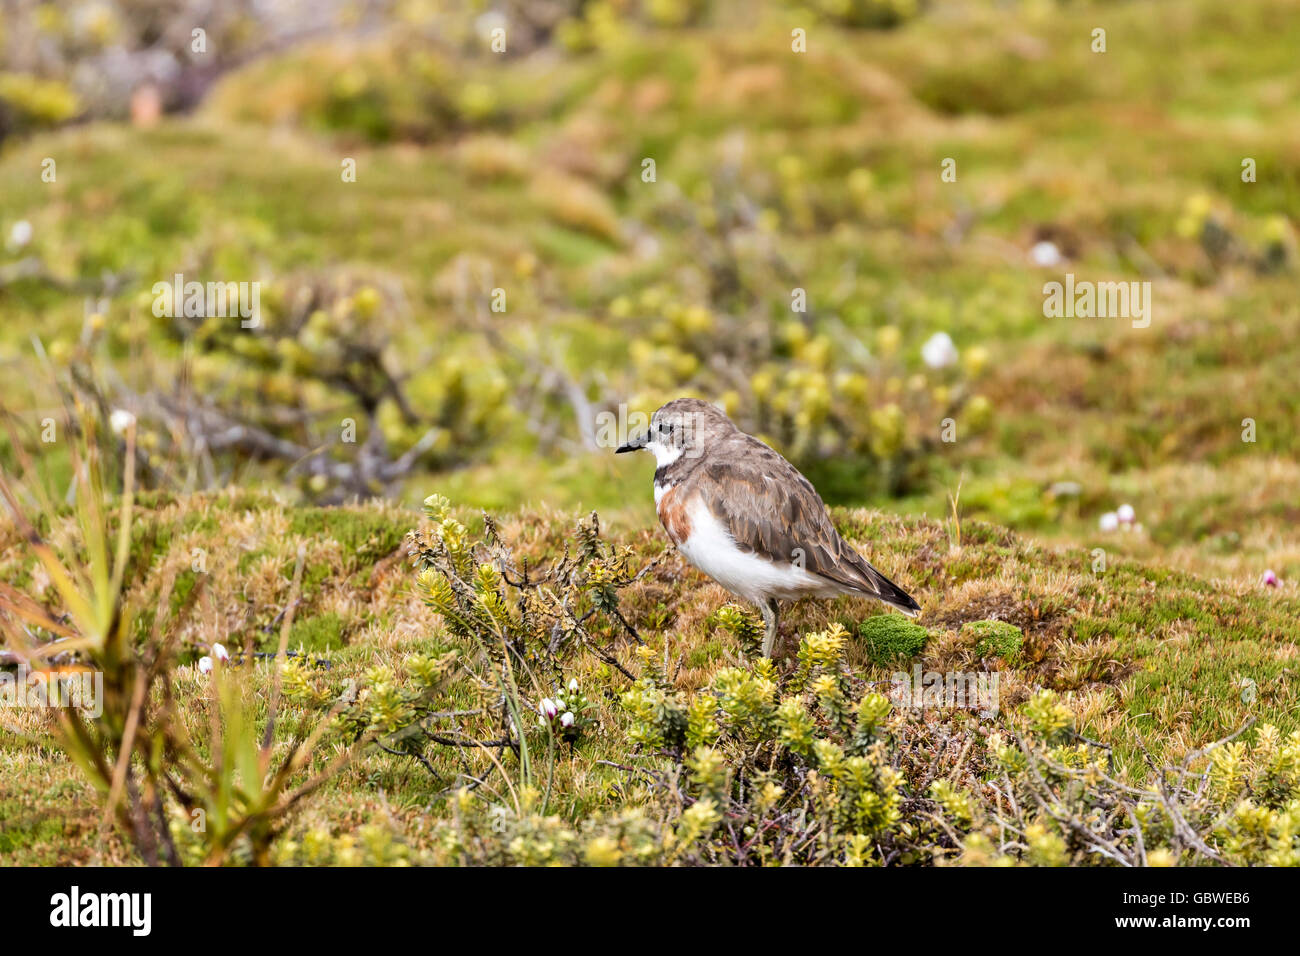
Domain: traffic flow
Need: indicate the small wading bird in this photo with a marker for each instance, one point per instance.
(747, 518)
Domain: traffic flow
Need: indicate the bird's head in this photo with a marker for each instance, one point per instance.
(684, 427)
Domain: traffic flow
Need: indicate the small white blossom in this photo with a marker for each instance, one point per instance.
(938, 351)
(1045, 254)
(120, 421)
(573, 685)
(1109, 521)
(567, 718)
(489, 21)
(547, 708)
(220, 653)
(205, 665)
(20, 233)
(1125, 513)
(1270, 579)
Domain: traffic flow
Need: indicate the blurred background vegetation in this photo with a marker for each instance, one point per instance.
(501, 272)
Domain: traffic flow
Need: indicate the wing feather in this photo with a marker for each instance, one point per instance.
(772, 510)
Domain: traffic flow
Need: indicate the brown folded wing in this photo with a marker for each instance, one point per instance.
(774, 511)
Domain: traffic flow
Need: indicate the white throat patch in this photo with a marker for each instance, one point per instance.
(664, 454)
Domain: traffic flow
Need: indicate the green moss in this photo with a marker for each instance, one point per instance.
(25, 829)
(182, 589)
(972, 87)
(366, 535)
(321, 633)
(707, 654)
(891, 637)
(250, 558)
(995, 639)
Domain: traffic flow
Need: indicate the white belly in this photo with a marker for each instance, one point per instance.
(711, 549)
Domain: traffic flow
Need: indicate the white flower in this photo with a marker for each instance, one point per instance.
(1125, 513)
(573, 685)
(1109, 521)
(205, 665)
(1045, 254)
(489, 21)
(566, 719)
(547, 708)
(220, 653)
(938, 351)
(120, 421)
(560, 705)
(20, 233)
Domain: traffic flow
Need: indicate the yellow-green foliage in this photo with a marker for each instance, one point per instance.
(479, 833)
(760, 751)
(743, 624)
(372, 845)
(321, 346)
(27, 103)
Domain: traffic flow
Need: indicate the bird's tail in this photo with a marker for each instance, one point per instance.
(886, 591)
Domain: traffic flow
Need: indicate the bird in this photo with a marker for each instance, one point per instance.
(746, 517)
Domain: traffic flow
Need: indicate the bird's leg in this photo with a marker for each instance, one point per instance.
(769, 609)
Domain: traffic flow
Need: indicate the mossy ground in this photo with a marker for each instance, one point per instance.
(1147, 657)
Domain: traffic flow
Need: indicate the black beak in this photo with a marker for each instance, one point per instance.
(635, 443)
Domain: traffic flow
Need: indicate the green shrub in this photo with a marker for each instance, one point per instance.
(796, 764)
(28, 103)
(869, 14)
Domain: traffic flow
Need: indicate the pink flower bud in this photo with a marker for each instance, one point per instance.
(220, 653)
(547, 708)
(566, 720)
(1270, 579)
(205, 665)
